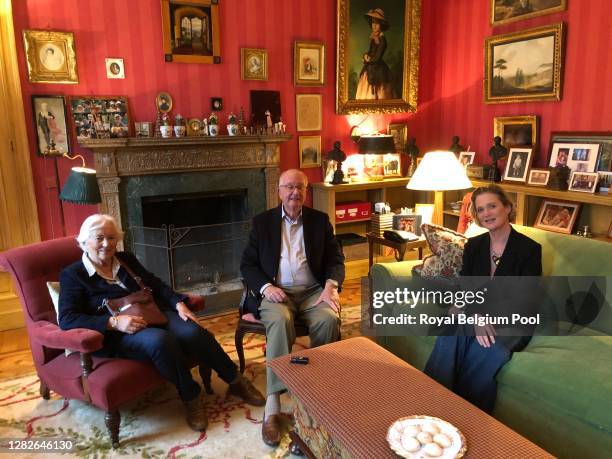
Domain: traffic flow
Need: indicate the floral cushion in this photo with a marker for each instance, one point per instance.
(446, 248)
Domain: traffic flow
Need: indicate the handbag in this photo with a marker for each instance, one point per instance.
(140, 303)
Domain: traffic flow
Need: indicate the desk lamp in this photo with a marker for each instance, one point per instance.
(376, 144)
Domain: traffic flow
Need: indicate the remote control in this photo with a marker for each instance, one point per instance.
(299, 360)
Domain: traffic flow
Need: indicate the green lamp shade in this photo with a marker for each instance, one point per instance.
(376, 144)
(81, 187)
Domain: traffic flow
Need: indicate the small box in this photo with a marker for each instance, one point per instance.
(354, 210)
(478, 172)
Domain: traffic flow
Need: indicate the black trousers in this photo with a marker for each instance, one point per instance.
(170, 348)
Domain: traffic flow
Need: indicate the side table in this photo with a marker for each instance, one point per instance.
(399, 247)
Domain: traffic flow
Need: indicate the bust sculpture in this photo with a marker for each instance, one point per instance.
(336, 154)
(456, 147)
(496, 152)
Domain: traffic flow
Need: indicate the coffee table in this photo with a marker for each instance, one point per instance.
(353, 390)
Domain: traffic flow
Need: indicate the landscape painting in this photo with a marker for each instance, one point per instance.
(524, 66)
(504, 11)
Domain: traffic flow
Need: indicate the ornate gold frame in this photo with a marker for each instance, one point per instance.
(410, 82)
(301, 140)
(169, 56)
(245, 73)
(402, 128)
(320, 47)
(554, 9)
(500, 122)
(556, 30)
(34, 43)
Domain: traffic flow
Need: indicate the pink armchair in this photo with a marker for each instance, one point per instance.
(106, 383)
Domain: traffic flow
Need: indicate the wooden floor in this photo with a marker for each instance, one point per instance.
(14, 364)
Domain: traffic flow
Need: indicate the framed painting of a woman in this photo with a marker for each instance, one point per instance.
(378, 56)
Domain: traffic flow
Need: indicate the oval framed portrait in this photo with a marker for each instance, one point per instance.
(163, 101)
(51, 57)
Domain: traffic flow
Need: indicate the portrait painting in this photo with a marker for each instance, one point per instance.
(538, 177)
(377, 56)
(408, 222)
(114, 68)
(50, 56)
(190, 30)
(100, 117)
(254, 64)
(557, 216)
(399, 132)
(579, 157)
(163, 102)
(524, 66)
(466, 158)
(51, 125)
(516, 131)
(519, 160)
(310, 151)
(216, 104)
(308, 112)
(584, 182)
(309, 63)
(505, 11)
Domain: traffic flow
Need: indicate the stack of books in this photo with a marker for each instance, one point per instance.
(381, 222)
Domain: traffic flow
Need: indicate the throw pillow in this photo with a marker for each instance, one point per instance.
(446, 248)
(54, 290)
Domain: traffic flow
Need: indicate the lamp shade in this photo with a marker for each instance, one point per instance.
(376, 144)
(439, 171)
(81, 187)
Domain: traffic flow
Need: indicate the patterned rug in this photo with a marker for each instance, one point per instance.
(154, 425)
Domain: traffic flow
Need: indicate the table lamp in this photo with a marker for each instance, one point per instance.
(439, 171)
(81, 187)
(375, 144)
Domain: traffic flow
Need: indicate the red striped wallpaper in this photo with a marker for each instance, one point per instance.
(450, 100)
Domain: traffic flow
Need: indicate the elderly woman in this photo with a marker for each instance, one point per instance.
(105, 274)
(468, 365)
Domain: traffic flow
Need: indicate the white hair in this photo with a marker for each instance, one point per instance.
(94, 222)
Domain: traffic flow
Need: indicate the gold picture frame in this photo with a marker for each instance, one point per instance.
(354, 27)
(309, 151)
(512, 63)
(504, 12)
(308, 63)
(50, 56)
(202, 44)
(308, 112)
(517, 131)
(557, 216)
(254, 64)
(399, 131)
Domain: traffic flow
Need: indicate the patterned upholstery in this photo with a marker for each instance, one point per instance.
(446, 248)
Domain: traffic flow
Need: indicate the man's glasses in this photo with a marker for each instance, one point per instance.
(292, 187)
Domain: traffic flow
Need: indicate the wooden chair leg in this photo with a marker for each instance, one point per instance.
(238, 337)
(44, 390)
(206, 375)
(112, 419)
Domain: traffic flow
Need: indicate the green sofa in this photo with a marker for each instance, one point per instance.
(558, 391)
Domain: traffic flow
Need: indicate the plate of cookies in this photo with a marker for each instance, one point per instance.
(424, 437)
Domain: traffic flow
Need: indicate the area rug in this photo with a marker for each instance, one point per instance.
(154, 426)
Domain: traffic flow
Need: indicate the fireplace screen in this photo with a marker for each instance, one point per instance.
(197, 259)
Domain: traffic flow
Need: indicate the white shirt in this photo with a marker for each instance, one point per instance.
(91, 270)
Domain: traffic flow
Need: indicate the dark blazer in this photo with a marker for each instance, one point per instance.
(261, 257)
(81, 296)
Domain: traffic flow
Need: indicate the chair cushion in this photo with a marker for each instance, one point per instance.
(446, 248)
(54, 291)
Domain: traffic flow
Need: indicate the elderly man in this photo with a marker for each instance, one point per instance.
(293, 266)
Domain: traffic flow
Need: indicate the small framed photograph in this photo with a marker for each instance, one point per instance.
(51, 125)
(557, 216)
(50, 56)
(114, 68)
(519, 160)
(163, 102)
(579, 157)
(517, 131)
(466, 158)
(308, 112)
(216, 104)
(310, 151)
(585, 182)
(408, 222)
(399, 132)
(604, 182)
(538, 177)
(143, 128)
(100, 117)
(309, 63)
(392, 165)
(254, 64)
(194, 126)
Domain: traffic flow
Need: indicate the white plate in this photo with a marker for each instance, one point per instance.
(399, 429)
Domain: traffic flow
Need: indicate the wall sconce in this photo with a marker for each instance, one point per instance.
(439, 171)
(81, 187)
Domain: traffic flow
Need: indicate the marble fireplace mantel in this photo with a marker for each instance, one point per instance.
(126, 157)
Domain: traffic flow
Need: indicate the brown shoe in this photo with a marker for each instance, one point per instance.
(196, 414)
(244, 389)
(270, 430)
